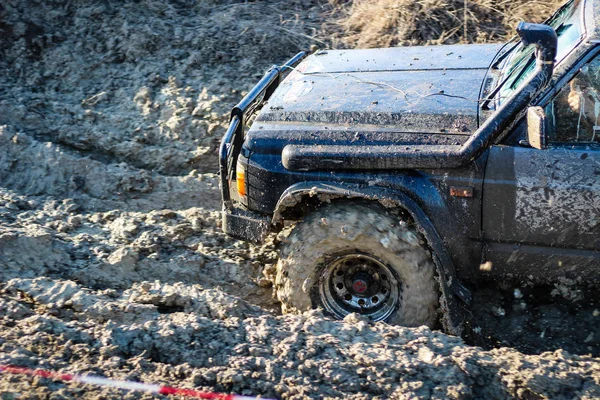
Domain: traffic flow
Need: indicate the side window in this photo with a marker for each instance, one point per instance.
(575, 111)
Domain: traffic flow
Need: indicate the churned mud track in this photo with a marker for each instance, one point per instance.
(112, 261)
(190, 335)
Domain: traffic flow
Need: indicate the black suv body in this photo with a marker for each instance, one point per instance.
(479, 147)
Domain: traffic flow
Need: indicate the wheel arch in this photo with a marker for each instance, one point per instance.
(302, 198)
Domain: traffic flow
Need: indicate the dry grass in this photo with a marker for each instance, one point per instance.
(384, 23)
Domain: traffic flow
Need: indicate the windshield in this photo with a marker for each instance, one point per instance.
(521, 64)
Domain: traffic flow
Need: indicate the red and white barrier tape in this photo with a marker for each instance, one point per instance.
(127, 385)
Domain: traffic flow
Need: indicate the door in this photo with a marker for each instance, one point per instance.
(541, 208)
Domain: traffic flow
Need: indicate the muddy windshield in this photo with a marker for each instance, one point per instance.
(568, 26)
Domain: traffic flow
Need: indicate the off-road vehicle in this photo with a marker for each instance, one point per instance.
(410, 174)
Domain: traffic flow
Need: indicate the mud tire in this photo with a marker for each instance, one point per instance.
(367, 229)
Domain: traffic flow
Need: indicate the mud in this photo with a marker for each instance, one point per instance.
(198, 337)
(535, 319)
(112, 261)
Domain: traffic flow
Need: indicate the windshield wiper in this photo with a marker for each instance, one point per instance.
(524, 69)
(503, 56)
(499, 86)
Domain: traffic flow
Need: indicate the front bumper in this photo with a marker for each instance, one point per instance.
(245, 225)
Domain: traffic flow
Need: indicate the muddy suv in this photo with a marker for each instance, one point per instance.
(411, 174)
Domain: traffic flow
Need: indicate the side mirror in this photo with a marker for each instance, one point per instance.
(536, 127)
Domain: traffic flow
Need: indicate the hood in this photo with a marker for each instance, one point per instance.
(431, 89)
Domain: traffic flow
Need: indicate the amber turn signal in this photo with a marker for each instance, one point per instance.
(240, 177)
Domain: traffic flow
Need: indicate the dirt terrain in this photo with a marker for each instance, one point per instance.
(112, 261)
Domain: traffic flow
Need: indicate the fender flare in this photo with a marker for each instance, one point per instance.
(453, 311)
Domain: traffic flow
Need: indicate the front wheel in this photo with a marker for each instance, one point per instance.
(358, 258)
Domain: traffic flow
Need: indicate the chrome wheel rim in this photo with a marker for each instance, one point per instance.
(358, 283)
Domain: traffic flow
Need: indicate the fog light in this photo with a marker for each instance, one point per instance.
(240, 178)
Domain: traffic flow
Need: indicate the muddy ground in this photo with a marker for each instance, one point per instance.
(112, 261)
